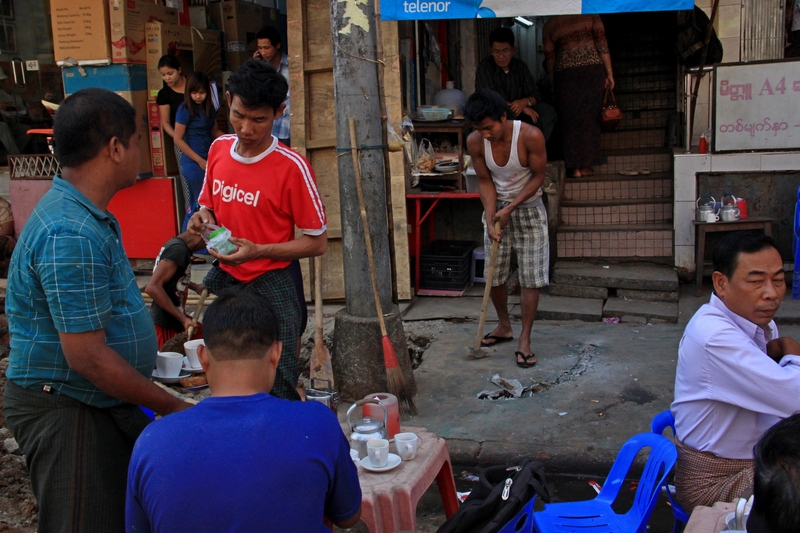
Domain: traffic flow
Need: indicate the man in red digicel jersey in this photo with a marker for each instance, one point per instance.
(261, 190)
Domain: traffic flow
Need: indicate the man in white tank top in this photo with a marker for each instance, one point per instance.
(509, 158)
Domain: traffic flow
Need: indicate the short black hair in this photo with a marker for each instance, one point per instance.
(169, 61)
(87, 120)
(726, 254)
(240, 324)
(502, 35)
(776, 483)
(485, 103)
(271, 33)
(258, 84)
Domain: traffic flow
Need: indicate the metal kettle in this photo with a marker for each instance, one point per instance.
(705, 204)
(367, 428)
(729, 211)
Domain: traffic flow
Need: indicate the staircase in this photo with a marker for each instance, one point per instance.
(616, 217)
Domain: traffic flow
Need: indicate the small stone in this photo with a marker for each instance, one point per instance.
(10, 445)
(5, 433)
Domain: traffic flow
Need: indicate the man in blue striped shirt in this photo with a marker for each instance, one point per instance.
(82, 341)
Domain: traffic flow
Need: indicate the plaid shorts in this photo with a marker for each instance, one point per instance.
(526, 233)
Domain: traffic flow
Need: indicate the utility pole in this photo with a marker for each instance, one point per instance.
(358, 355)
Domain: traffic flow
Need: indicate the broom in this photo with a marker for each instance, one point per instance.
(395, 381)
(175, 344)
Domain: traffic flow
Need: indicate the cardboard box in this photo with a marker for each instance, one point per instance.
(240, 22)
(207, 47)
(198, 17)
(163, 39)
(81, 31)
(128, 19)
(162, 147)
(128, 81)
(182, 7)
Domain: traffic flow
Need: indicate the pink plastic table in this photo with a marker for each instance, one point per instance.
(390, 498)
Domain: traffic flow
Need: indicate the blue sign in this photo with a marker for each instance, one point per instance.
(470, 9)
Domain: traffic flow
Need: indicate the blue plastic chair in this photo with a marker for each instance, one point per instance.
(661, 422)
(597, 515)
(523, 522)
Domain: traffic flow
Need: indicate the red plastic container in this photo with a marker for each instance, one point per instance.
(741, 203)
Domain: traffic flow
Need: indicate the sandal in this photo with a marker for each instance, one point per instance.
(629, 172)
(526, 360)
(495, 340)
(644, 171)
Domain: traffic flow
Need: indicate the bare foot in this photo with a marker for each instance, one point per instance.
(587, 171)
(576, 173)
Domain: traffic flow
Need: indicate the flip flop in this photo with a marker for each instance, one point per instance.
(629, 172)
(644, 171)
(526, 359)
(495, 340)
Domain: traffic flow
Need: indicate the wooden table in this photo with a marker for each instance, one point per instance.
(751, 223)
(709, 519)
(389, 499)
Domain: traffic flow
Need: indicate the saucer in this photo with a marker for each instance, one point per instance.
(163, 379)
(393, 461)
(192, 370)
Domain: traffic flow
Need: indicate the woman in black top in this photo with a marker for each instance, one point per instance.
(169, 100)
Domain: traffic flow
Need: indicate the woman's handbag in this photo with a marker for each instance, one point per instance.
(611, 115)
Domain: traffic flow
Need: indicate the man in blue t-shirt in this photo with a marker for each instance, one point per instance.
(82, 342)
(242, 460)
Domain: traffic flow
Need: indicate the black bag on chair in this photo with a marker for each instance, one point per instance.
(500, 494)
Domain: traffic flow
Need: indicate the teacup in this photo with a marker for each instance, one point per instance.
(712, 217)
(378, 452)
(169, 364)
(191, 352)
(407, 445)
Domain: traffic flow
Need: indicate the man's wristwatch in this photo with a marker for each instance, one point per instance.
(529, 102)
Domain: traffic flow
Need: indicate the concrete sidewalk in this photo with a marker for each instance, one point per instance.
(598, 384)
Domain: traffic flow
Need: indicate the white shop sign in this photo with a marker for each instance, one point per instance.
(756, 106)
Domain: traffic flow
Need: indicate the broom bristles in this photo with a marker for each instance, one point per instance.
(395, 380)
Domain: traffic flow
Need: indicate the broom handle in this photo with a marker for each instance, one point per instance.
(486, 292)
(367, 238)
(318, 326)
(196, 315)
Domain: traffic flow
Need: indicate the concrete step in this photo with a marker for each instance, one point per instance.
(617, 307)
(614, 241)
(652, 159)
(636, 276)
(562, 308)
(654, 211)
(616, 186)
(632, 139)
(644, 119)
(648, 296)
(644, 101)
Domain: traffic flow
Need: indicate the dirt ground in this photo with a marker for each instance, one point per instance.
(18, 508)
(17, 505)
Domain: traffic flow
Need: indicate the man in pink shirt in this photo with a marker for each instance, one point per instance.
(736, 377)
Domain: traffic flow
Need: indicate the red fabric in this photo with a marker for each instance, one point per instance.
(164, 334)
(261, 199)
